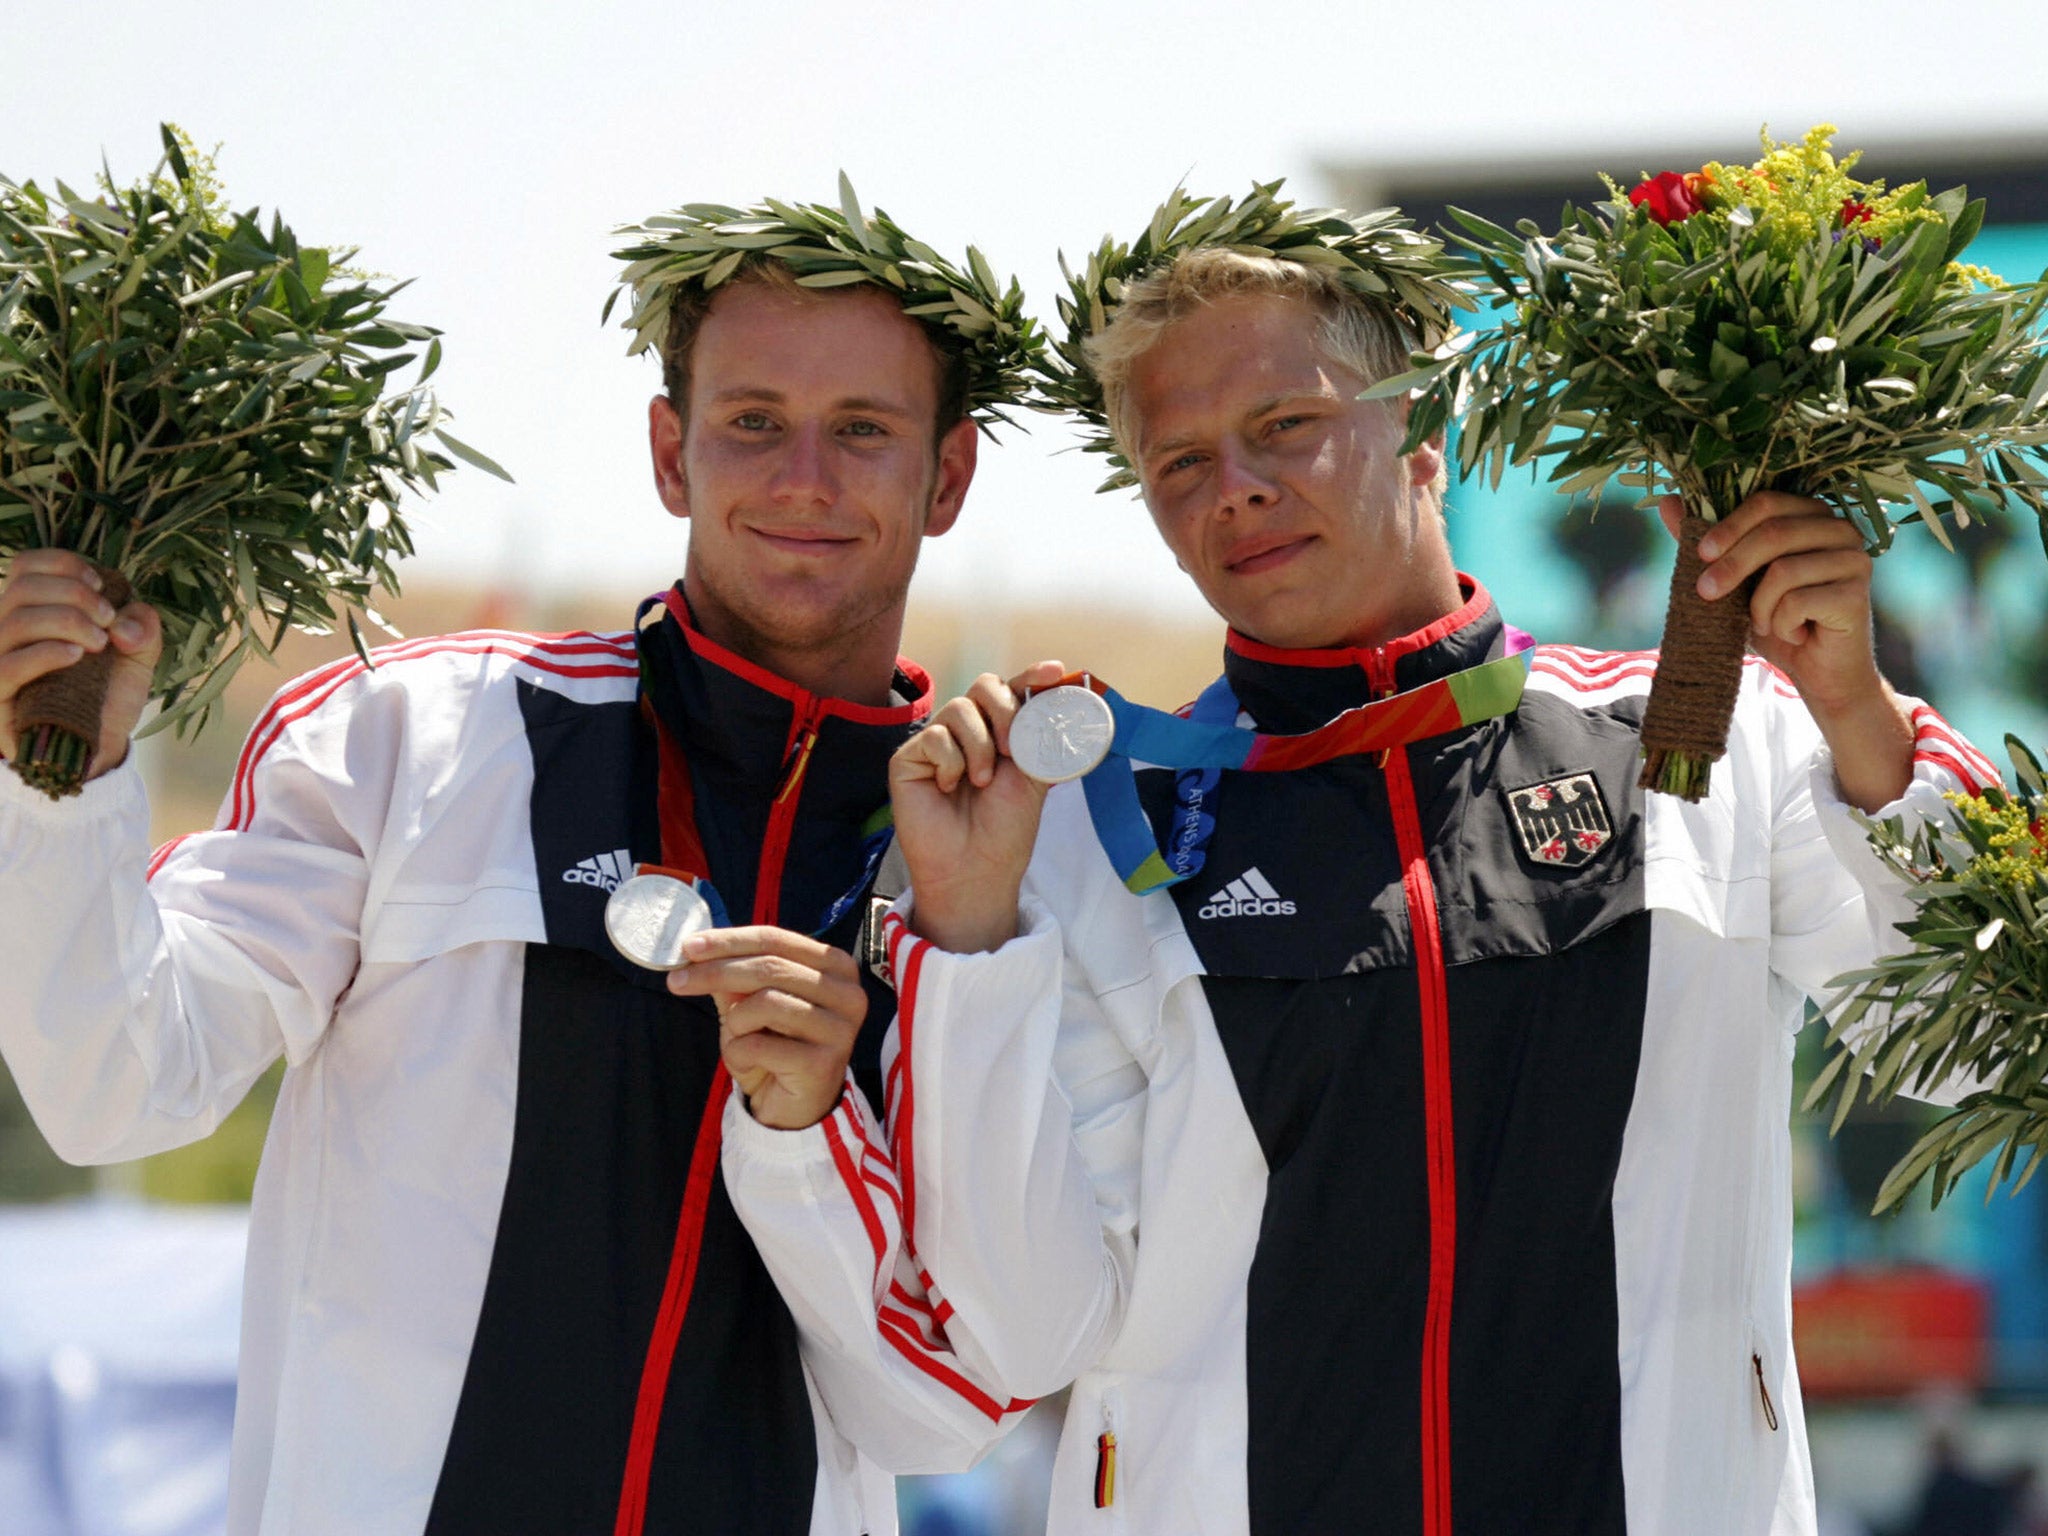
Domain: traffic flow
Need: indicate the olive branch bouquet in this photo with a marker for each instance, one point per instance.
(1773, 326)
(1379, 254)
(1968, 999)
(703, 245)
(203, 406)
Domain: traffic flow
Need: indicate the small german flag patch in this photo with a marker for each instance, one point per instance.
(1105, 1469)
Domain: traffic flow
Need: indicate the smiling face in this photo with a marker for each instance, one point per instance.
(1284, 496)
(808, 471)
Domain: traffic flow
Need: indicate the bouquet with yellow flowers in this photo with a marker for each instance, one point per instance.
(1967, 1000)
(1774, 326)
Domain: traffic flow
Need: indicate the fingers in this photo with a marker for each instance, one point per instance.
(38, 659)
(1757, 509)
(789, 1085)
(138, 631)
(759, 994)
(755, 1061)
(54, 608)
(787, 1018)
(960, 743)
(1830, 588)
(771, 979)
(969, 736)
(1748, 541)
(996, 702)
(789, 1009)
(1040, 674)
(54, 562)
(763, 939)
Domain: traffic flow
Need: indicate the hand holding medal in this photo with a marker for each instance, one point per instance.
(967, 791)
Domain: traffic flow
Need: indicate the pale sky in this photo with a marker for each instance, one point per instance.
(487, 150)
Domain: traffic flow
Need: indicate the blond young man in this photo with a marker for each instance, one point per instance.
(1419, 1164)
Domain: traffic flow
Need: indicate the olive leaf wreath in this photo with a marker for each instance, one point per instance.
(705, 244)
(1379, 254)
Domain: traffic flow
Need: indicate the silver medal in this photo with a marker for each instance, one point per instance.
(1061, 733)
(649, 916)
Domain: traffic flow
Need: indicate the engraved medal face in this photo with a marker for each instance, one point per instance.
(1562, 823)
(1061, 733)
(649, 916)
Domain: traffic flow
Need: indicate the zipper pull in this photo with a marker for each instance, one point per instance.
(1764, 1392)
(800, 754)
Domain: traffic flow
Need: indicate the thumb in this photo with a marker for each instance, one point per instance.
(138, 634)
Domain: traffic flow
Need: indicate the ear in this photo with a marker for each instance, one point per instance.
(958, 453)
(665, 444)
(1426, 462)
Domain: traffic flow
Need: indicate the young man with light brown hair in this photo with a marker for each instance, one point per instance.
(518, 1226)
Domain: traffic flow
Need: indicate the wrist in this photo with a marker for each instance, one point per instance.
(790, 1114)
(1871, 740)
(1861, 699)
(964, 922)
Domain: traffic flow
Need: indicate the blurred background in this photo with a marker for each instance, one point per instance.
(487, 151)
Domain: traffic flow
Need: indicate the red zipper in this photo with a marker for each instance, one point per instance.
(808, 710)
(1431, 983)
(675, 1305)
(796, 758)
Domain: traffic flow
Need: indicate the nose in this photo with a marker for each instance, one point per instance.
(1242, 481)
(803, 471)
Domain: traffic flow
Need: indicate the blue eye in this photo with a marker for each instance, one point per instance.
(752, 421)
(866, 429)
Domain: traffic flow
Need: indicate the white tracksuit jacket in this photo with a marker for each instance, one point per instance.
(1408, 1169)
(489, 1234)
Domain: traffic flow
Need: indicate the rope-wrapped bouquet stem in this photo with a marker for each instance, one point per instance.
(202, 406)
(1774, 326)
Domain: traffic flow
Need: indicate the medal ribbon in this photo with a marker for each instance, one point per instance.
(1208, 740)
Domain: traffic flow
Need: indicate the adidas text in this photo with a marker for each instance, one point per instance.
(1251, 894)
(1233, 907)
(604, 870)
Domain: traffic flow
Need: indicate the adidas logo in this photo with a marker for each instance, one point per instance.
(1251, 894)
(603, 870)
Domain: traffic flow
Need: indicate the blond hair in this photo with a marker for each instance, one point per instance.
(1358, 333)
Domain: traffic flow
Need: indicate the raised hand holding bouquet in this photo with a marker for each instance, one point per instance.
(201, 407)
(1780, 326)
(1968, 1000)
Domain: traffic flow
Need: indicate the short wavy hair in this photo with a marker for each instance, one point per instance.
(691, 304)
(1359, 333)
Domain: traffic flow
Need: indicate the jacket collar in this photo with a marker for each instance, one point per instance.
(740, 724)
(1288, 690)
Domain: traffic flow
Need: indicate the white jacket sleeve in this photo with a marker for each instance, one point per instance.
(135, 1011)
(826, 1214)
(1835, 904)
(1017, 1118)
(945, 1278)
(977, 1259)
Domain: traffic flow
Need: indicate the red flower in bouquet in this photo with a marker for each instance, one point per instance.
(1671, 196)
(1856, 211)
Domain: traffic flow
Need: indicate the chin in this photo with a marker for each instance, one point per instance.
(808, 621)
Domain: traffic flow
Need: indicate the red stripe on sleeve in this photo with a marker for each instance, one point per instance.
(849, 1175)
